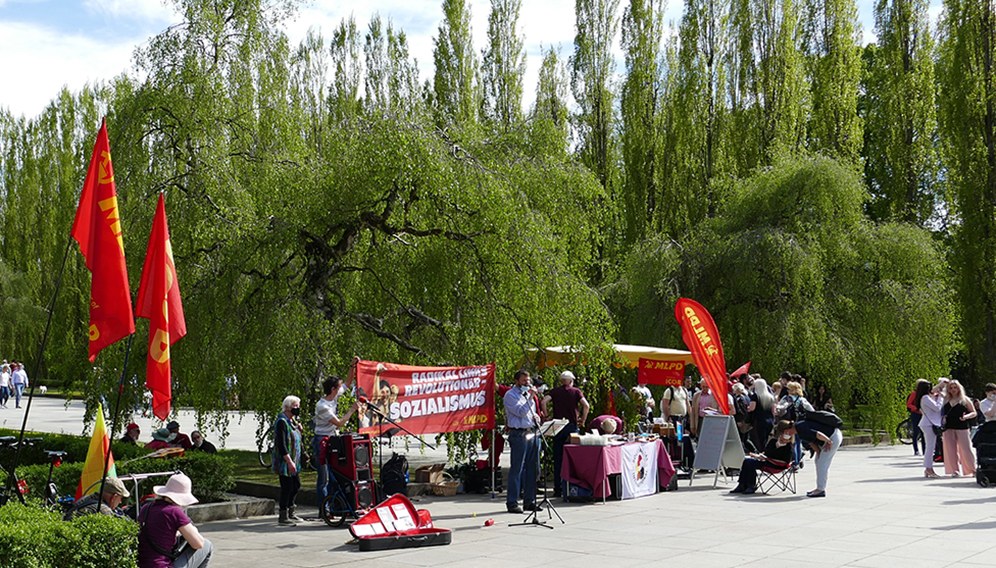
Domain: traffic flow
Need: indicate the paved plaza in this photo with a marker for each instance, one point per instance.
(879, 512)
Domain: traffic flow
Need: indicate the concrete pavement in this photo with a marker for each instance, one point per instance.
(879, 512)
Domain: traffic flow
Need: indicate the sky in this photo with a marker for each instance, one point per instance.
(48, 44)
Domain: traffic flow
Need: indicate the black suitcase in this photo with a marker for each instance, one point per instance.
(396, 524)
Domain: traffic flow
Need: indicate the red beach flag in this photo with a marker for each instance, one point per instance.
(699, 332)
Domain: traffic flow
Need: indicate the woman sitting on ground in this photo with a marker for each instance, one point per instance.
(776, 457)
(162, 520)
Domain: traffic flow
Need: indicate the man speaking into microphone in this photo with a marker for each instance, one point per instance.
(523, 439)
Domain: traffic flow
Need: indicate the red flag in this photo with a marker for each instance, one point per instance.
(159, 302)
(741, 370)
(97, 229)
(702, 338)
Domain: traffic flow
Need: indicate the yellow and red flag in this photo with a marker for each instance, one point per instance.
(159, 302)
(699, 332)
(93, 468)
(97, 229)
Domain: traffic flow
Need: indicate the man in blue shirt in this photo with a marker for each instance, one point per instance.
(523, 439)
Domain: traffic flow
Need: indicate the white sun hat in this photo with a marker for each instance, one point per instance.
(177, 488)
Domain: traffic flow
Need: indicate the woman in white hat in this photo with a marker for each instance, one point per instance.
(166, 537)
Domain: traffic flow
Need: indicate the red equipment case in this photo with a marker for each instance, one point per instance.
(396, 524)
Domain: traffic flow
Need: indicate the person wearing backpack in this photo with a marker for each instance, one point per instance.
(821, 431)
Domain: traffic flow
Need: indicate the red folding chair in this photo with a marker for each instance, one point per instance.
(776, 475)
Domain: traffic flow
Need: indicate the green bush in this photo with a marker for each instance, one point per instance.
(31, 537)
(210, 474)
(75, 446)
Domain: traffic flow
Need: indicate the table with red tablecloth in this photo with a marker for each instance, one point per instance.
(591, 466)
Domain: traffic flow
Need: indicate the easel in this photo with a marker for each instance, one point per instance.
(548, 429)
(719, 447)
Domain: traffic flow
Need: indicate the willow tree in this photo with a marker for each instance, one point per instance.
(797, 278)
(374, 235)
(966, 75)
(504, 65)
(899, 107)
(833, 68)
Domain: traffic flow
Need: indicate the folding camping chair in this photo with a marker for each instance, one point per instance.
(771, 477)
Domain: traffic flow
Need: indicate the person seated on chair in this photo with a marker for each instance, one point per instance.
(200, 444)
(180, 440)
(160, 439)
(106, 503)
(606, 424)
(777, 456)
(131, 435)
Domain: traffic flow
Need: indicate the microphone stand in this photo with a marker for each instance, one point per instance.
(381, 417)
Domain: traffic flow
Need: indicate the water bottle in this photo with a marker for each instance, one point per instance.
(677, 429)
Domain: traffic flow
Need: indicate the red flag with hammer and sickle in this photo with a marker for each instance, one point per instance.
(97, 229)
(159, 302)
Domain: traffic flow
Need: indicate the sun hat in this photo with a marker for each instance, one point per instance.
(177, 488)
(567, 376)
(115, 486)
(161, 434)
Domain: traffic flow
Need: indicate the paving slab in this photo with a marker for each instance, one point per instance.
(879, 512)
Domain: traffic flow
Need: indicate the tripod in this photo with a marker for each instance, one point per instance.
(532, 519)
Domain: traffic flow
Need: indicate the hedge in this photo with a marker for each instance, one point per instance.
(31, 537)
(210, 474)
(75, 446)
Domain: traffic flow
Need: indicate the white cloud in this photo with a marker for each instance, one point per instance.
(149, 10)
(38, 62)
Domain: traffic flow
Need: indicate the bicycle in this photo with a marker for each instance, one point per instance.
(339, 505)
(264, 448)
(14, 486)
(904, 431)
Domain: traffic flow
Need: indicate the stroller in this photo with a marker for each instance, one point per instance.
(985, 454)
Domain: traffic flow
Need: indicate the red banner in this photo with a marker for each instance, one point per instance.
(159, 302)
(97, 229)
(667, 373)
(428, 400)
(699, 332)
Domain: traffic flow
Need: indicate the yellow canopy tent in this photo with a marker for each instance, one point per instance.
(630, 355)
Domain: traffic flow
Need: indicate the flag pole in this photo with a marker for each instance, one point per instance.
(36, 369)
(114, 418)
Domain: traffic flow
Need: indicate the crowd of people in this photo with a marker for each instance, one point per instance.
(943, 416)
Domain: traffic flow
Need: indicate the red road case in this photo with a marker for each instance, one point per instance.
(396, 524)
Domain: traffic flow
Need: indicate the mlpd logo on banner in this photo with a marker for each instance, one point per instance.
(665, 373)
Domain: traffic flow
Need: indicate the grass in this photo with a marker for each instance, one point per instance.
(247, 468)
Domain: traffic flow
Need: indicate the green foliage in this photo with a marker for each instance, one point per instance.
(899, 108)
(967, 119)
(455, 84)
(833, 65)
(504, 65)
(211, 475)
(797, 279)
(35, 538)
